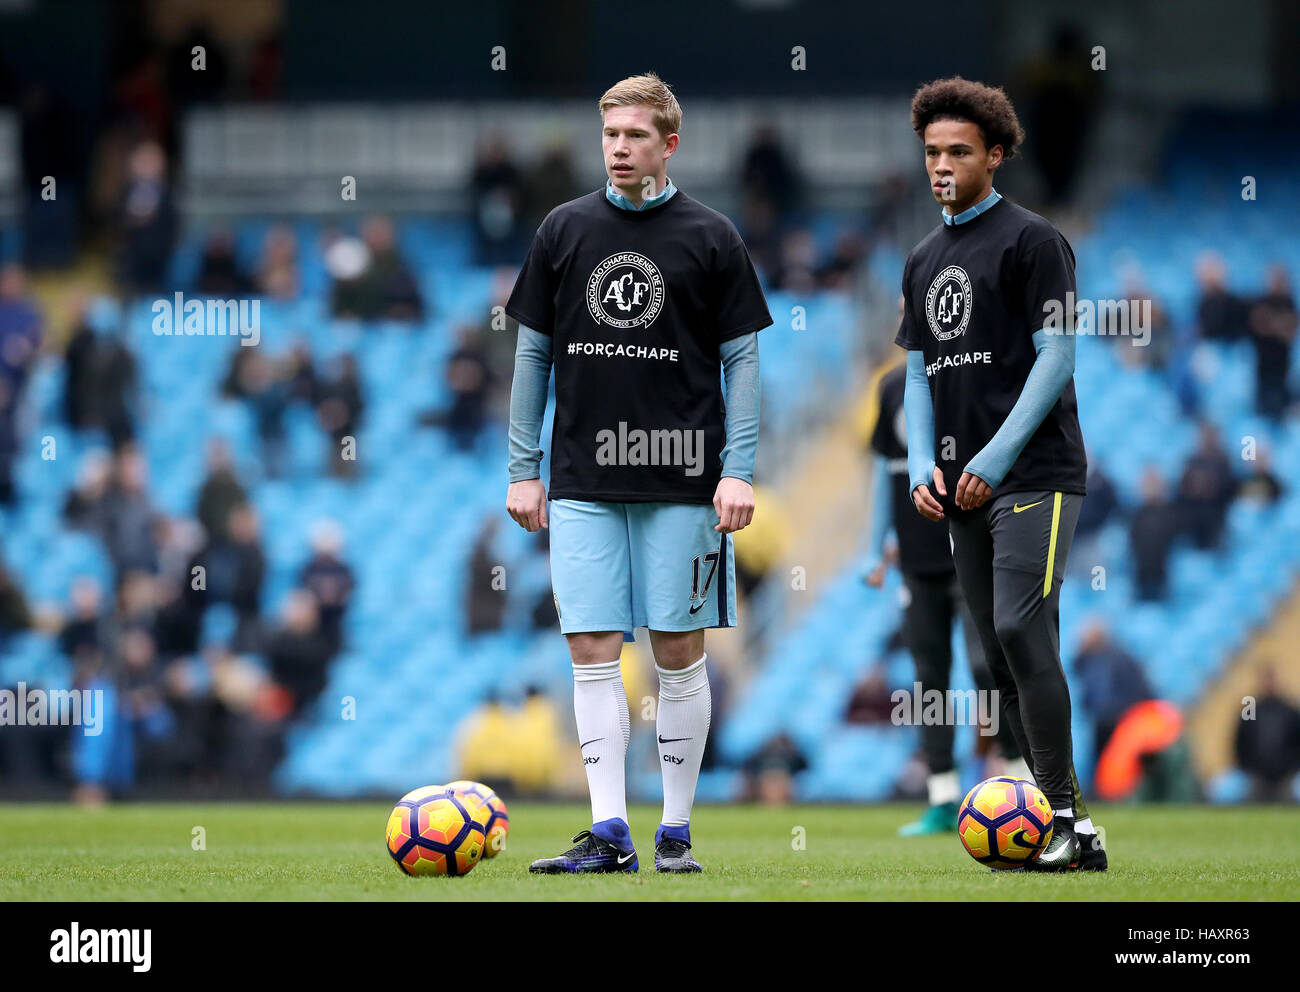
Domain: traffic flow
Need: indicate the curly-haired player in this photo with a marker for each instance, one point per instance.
(994, 444)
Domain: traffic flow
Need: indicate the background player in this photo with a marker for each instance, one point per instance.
(994, 444)
(639, 295)
(933, 600)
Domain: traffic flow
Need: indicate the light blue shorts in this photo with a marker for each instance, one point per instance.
(619, 566)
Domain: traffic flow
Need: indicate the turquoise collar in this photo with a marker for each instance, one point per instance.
(623, 203)
(970, 213)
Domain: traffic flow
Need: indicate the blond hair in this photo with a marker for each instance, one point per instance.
(646, 91)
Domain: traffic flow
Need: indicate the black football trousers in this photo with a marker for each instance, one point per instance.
(934, 604)
(1010, 556)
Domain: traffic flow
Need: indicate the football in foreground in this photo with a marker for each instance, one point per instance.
(1004, 822)
(498, 821)
(433, 832)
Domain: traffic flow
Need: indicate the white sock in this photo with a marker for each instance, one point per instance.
(682, 727)
(600, 705)
(1068, 812)
(943, 788)
(1084, 826)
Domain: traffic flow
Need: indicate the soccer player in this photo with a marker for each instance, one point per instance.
(932, 601)
(643, 299)
(994, 445)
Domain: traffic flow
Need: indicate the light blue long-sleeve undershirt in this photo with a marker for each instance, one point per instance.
(881, 513)
(528, 404)
(918, 411)
(1053, 366)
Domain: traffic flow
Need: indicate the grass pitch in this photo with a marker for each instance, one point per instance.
(333, 852)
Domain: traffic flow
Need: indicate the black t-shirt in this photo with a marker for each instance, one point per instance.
(923, 547)
(974, 294)
(637, 304)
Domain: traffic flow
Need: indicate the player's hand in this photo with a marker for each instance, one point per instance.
(876, 577)
(526, 503)
(972, 491)
(734, 502)
(924, 500)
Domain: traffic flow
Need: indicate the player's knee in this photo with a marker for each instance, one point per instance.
(595, 648)
(677, 649)
(1015, 634)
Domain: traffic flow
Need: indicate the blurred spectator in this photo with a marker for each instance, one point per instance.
(1205, 490)
(1110, 680)
(496, 201)
(848, 256)
(219, 272)
(768, 175)
(540, 742)
(1149, 342)
(870, 702)
(515, 749)
(147, 220)
(102, 764)
(127, 521)
(770, 772)
(339, 405)
(50, 149)
(300, 374)
(1268, 745)
(84, 632)
(80, 377)
(233, 568)
(245, 721)
(20, 341)
(142, 690)
(115, 386)
(86, 502)
(329, 579)
(1273, 323)
(15, 615)
(1101, 502)
(762, 233)
(277, 275)
(485, 599)
(795, 271)
(470, 382)
(550, 182)
(1063, 97)
(1151, 536)
(1262, 486)
(371, 280)
(761, 545)
(483, 746)
(1220, 313)
(220, 492)
(298, 652)
(263, 386)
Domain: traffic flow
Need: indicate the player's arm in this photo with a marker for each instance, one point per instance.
(1053, 366)
(734, 497)
(918, 411)
(882, 506)
(1046, 271)
(526, 497)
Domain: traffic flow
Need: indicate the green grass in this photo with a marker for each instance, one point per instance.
(331, 852)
